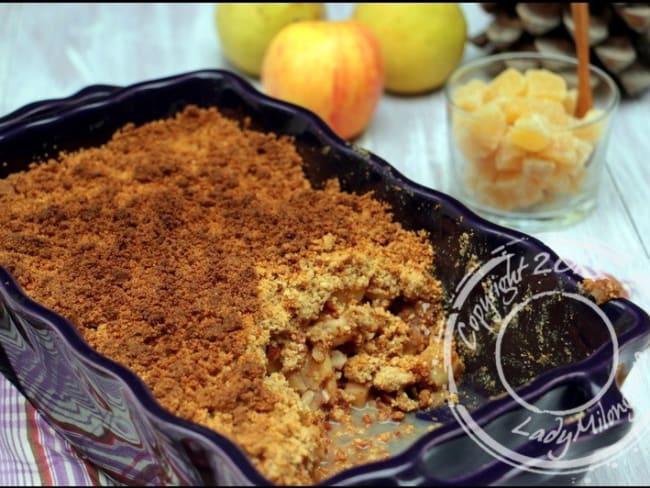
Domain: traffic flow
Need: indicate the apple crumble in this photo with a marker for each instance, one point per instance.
(194, 251)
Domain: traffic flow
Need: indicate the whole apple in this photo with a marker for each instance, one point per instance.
(334, 69)
(246, 29)
(421, 43)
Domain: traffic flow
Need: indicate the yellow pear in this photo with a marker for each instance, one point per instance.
(421, 43)
(245, 29)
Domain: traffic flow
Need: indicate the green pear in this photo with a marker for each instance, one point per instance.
(246, 29)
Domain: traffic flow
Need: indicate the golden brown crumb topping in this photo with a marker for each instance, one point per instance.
(195, 252)
(604, 289)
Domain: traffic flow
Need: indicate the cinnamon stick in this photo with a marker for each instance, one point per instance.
(580, 14)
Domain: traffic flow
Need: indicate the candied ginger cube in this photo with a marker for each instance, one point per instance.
(478, 134)
(570, 101)
(530, 132)
(480, 173)
(567, 150)
(538, 169)
(490, 125)
(470, 96)
(508, 156)
(485, 168)
(462, 130)
(577, 180)
(514, 107)
(513, 189)
(508, 83)
(552, 110)
(592, 126)
(561, 182)
(543, 83)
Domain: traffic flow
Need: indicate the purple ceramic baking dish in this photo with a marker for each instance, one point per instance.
(111, 418)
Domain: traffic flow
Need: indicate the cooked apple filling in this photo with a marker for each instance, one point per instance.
(194, 251)
(353, 324)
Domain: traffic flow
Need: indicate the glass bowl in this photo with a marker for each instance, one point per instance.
(519, 155)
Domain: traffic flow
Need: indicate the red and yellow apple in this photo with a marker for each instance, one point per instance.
(334, 69)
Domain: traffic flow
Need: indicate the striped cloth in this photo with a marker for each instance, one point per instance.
(32, 453)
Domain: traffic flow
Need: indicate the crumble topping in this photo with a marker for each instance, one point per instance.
(193, 251)
(604, 289)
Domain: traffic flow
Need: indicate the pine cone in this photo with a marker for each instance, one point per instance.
(619, 36)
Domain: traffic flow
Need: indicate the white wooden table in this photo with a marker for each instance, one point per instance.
(49, 51)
